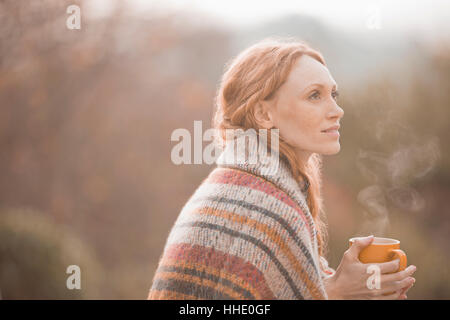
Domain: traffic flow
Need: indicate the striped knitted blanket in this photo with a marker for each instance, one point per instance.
(244, 234)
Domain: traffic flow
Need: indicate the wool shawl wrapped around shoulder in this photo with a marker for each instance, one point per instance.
(245, 233)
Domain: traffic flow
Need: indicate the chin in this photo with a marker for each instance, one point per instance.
(332, 150)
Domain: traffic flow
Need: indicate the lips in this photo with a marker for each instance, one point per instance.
(331, 129)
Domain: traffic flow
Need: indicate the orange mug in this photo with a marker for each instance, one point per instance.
(382, 250)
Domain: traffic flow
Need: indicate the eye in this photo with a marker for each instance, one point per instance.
(335, 94)
(315, 95)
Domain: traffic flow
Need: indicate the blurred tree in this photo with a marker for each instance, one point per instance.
(34, 256)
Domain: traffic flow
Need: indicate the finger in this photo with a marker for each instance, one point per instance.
(388, 267)
(405, 290)
(402, 297)
(359, 244)
(397, 276)
(397, 285)
(393, 296)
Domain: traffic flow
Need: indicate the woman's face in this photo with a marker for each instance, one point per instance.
(305, 106)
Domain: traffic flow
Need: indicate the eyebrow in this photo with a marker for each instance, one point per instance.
(319, 85)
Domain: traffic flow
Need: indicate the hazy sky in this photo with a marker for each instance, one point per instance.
(420, 15)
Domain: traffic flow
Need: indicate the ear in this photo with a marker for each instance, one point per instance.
(263, 114)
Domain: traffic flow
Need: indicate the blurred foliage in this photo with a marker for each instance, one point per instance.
(34, 256)
(85, 123)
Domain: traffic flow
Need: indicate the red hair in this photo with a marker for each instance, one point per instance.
(255, 75)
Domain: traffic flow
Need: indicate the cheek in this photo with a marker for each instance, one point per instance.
(298, 123)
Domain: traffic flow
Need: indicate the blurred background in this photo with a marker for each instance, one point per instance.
(86, 117)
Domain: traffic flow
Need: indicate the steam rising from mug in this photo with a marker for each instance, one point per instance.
(391, 176)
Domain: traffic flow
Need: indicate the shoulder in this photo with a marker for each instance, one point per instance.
(233, 183)
(242, 222)
(242, 191)
(239, 195)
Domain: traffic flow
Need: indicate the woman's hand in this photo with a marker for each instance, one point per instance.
(350, 279)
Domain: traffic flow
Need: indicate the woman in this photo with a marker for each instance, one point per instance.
(252, 233)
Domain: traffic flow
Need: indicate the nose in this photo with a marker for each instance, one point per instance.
(337, 111)
(340, 111)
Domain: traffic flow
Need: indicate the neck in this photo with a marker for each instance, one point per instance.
(303, 156)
